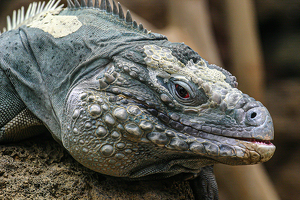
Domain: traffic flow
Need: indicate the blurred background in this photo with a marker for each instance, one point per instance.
(259, 42)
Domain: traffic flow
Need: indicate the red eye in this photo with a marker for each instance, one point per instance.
(181, 91)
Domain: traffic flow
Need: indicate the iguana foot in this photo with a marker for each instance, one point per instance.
(205, 186)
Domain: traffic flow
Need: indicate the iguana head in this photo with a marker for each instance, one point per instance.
(158, 108)
(162, 109)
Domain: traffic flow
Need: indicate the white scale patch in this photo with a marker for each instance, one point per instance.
(161, 59)
(57, 26)
(211, 74)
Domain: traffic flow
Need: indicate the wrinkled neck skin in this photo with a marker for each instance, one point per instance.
(129, 119)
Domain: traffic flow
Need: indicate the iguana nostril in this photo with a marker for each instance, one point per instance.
(256, 116)
(253, 115)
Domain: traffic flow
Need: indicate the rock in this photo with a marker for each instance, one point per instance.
(40, 168)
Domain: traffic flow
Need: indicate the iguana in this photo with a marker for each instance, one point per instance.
(123, 101)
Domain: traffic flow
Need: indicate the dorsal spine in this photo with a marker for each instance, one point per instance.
(105, 5)
(33, 9)
(36, 8)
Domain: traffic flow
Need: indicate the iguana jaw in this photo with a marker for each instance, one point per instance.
(248, 150)
(234, 150)
(246, 147)
(248, 143)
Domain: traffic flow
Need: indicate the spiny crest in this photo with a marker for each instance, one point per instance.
(36, 8)
(33, 9)
(105, 6)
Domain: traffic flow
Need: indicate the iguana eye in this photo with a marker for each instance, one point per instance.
(181, 92)
(186, 92)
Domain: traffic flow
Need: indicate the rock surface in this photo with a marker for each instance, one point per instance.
(40, 168)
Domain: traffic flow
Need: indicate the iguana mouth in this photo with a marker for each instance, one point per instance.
(267, 142)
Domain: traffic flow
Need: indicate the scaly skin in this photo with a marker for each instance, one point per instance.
(133, 123)
(126, 102)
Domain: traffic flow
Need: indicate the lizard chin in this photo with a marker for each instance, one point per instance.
(243, 151)
(264, 149)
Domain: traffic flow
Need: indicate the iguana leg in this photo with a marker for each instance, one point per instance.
(204, 186)
(16, 121)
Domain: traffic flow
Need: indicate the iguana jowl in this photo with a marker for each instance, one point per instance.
(124, 101)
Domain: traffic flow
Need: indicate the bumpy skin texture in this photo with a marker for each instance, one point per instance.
(126, 102)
